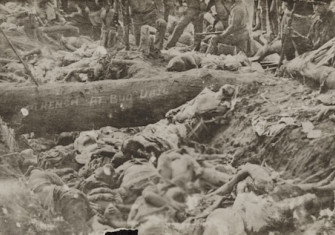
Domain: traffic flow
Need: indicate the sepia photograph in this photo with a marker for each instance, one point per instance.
(167, 117)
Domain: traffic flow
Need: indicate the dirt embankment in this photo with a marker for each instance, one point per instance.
(284, 147)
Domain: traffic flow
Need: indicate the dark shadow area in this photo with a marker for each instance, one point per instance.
(123, 232)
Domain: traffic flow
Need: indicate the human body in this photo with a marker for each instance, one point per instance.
(147, 12)
(237, 33)
(193, 14)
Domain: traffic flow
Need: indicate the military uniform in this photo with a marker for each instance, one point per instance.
(237, 33)
(168, 8)
(267, 13)
(48, 12)
(274, 13)
(263, 7)
(222, 9)
(321, 31)
(161, 200)
(193, 14)
(94, 14)
(148, 12)
(109, 27)
(71, 203)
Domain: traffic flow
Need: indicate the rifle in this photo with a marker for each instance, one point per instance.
(116, 16)
(19, 14)
(209, 33)
(126, 21)
(286, 36)
(22, 61)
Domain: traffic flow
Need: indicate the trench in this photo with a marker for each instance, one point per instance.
(289, 151)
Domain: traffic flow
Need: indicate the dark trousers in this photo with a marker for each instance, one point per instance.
(192, 15)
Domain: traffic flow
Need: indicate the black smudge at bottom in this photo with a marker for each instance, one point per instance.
(123, 232)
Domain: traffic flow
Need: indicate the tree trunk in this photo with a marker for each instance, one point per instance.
(55, 108)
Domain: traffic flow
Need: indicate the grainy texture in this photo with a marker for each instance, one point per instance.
(135, 102)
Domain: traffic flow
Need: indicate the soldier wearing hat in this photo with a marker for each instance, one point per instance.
(321, 30)
(323, 27)
(237, 33)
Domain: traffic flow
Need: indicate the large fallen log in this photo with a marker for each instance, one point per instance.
(317, 66)
(54, 108)
(321, 75)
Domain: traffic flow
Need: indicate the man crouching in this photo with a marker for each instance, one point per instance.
(237, 33)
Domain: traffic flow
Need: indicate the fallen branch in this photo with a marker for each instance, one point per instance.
(125, 62)
(19, 57)
(325, 184)
(318, 175)
(6, 61)
(62, 28)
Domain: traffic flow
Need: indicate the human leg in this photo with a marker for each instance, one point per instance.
(178, 31)
(137, 22)
(155, 20)
(198, 27)
(263, 14)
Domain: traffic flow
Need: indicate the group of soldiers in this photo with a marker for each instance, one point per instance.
(271, 16)
(155, 13)
(236, 18)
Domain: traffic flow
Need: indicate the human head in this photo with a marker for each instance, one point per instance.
(321, 7)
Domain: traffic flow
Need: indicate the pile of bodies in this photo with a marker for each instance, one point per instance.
(159, 179)
(57, 51)
(54, 48)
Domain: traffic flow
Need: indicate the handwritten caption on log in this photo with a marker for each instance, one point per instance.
(124, 100)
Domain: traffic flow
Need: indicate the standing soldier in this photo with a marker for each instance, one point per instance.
(256, 17)
(109, 19)
(93, 9)
(148, 12)
(194, 15)
(263, 8)
(168, 7)
(64, 4)
(237, 33)
(321, 30)
(268, 13)
(222, 8)
(274, 16)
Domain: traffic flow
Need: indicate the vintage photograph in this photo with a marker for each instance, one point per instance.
(167, 117)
